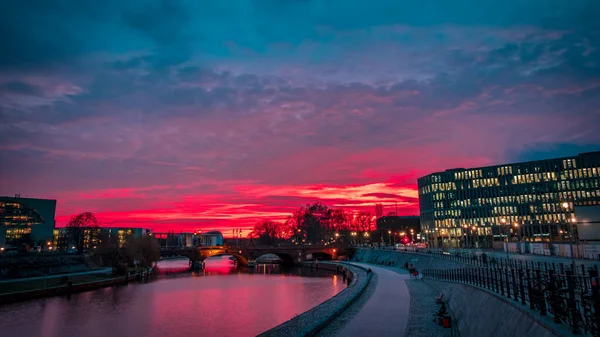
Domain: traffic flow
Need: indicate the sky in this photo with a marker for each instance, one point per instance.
(186, 114)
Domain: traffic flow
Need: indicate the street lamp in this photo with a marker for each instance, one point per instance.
(390, 238)
(503, 222)
(565, 205)
(518, 235)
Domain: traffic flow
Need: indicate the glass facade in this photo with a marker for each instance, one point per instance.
(18, 219)
(530, 201)
(13, 213)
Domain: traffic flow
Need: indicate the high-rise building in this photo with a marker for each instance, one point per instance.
(26, 221)
(531, 201)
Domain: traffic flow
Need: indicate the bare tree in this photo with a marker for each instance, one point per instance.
(143, 249)
(77, 227)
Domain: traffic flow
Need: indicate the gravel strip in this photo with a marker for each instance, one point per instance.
(338, 324)
(422, 307)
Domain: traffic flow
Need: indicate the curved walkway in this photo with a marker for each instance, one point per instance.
(386, 312)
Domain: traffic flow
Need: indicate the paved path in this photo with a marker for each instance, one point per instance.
(386, 312)
(25, 279)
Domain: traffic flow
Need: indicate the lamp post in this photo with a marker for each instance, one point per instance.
(565, 206)
(390, 238)
(518, 235)
(412, 235)
(466, 230)
(503, 222)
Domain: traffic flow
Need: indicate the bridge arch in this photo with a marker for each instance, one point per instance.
(286, 259)
(322, 256)
(242, 260)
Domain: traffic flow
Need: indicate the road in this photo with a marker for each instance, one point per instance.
(386, 312)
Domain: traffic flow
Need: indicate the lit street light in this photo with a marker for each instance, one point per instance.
(503, 222)
(565, 205)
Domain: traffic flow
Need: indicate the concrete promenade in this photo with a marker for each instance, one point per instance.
(386, 312)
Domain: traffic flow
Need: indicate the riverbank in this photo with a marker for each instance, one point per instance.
(24, 267)
(24, 289)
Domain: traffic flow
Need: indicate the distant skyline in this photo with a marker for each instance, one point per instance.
(192, 115)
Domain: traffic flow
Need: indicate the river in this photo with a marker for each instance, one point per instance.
(221, 300)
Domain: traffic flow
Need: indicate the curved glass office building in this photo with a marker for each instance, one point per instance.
(531, 201)
(26, 221)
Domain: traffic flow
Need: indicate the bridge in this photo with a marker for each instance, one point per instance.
(290, 254)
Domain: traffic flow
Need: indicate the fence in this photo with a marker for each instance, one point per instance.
(569, 297)
(482, 259)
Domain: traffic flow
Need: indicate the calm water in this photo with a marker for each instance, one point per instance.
(220, 301)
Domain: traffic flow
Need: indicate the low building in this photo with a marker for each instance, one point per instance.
(26, 222)
(93, 237)
(393, 228)
(212, 238)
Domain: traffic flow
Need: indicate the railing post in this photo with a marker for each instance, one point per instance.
(499, 274)
(541, 299)
(514, 285)
(482, 273)
(530, 289)
(507, 282)
(553, 297)
(572, 303)
(596, 300)
(521, 286)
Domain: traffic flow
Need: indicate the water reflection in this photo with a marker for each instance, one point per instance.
(231, 301)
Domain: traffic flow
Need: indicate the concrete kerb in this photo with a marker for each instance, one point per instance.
(308, 325)
(543, 321)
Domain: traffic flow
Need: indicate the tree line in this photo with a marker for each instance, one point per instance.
(314, 223)
(140, 251)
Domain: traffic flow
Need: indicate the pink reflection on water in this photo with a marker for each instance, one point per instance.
(219, 265)
(228, 303)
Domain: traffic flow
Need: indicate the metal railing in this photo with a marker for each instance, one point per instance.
(568, 296)
(485, 259)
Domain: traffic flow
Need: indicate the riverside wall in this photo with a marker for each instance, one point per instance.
(314, 320)
(67, 289)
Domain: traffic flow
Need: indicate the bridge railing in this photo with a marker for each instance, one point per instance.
(567, 297)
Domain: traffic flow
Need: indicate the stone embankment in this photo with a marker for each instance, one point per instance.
(23, 290)
(311, 322)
